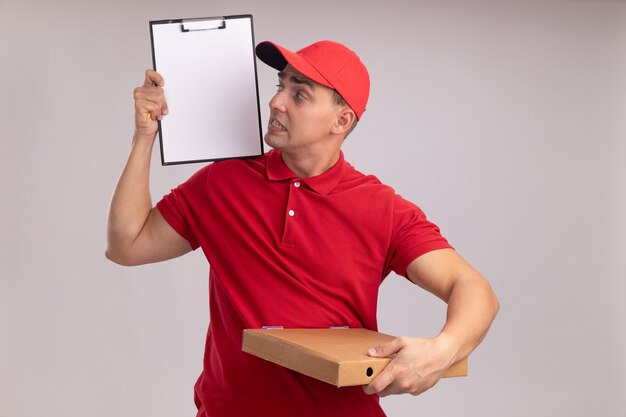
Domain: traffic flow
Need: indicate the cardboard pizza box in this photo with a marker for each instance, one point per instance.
(337, 356)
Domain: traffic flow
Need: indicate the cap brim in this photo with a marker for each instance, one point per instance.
(278, 57)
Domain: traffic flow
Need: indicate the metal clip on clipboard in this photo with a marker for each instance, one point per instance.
(188, 25)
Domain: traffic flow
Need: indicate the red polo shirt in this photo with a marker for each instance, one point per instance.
(292, 252)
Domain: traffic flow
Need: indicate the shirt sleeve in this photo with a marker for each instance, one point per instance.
(183, 207)
(412, 236)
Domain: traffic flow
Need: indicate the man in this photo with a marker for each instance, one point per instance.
(297, 238)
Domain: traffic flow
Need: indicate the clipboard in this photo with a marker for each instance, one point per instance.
(211, 88)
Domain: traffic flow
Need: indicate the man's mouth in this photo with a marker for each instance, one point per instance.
(275, 123)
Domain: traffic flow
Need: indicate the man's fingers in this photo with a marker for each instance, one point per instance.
(380, 383)
(383, 383)
(416, 366)
(149, 95)
(150, 103)
(153, 78)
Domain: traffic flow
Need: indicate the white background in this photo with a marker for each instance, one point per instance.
(504, 120)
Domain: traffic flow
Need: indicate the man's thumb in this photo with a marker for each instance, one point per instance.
(382, 351)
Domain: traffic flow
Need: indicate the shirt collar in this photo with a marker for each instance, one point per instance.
(277, 170)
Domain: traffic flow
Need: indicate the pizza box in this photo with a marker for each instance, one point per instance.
(337, 356)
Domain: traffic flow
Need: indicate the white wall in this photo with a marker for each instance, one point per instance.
(503, 120)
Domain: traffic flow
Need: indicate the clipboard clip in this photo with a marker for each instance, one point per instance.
(188, 25)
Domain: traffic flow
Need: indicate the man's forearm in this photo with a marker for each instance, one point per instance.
(131, 202)
(472, 307)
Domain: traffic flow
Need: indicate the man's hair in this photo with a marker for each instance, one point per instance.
(341, 102)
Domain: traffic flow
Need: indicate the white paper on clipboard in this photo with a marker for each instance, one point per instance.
(211, 88)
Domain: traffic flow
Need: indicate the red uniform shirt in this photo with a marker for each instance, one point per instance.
(292, 252)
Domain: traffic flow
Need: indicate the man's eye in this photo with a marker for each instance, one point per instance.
(300, 96)
(279, 87)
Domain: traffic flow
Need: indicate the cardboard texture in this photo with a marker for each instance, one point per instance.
(336, 356)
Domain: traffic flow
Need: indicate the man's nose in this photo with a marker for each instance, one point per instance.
(277, 102)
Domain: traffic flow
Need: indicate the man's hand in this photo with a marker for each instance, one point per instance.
(150, 104)
(416, 366)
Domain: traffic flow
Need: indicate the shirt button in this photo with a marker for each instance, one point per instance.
(296, 184)
(292, 213)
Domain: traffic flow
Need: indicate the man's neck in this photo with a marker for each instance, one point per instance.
(307, 165)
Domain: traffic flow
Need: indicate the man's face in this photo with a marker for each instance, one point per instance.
(302, 113)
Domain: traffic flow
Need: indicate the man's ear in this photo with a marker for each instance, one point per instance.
(345, 120)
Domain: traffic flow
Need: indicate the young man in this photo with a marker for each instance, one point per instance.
(297, 238)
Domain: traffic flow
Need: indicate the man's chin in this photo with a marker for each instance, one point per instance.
(272, 140)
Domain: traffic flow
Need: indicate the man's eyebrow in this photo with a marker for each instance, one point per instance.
(296, 79)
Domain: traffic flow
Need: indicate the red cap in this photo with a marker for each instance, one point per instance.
(325, 62)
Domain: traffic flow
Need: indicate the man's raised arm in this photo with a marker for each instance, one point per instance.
(136, 232)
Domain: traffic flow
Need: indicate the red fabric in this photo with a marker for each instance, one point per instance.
(319, 267)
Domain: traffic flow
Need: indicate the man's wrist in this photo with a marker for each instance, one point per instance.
(145, 140)
(449, 344)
